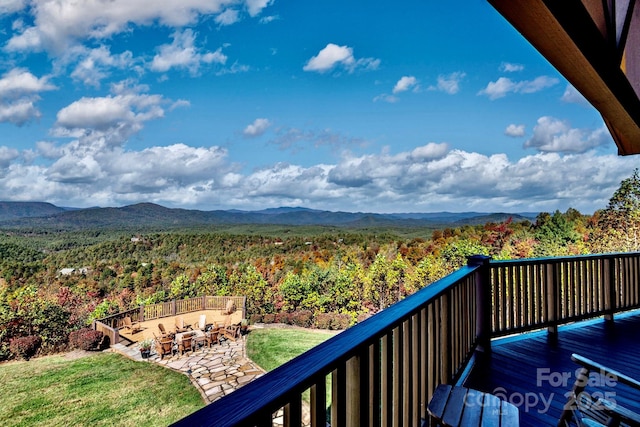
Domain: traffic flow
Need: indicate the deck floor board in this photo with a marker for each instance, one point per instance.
(518, 368)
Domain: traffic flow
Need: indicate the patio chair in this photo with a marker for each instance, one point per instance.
(180, 325)
(164, 332)
(132, 326)
(185, 344)
(231, 332)
(164, 346)
(589, 403)
(212, 338)
(202, 323)
(230, 308)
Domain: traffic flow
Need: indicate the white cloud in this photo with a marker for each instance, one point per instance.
(19, 111)
(11, 6)
(571, 95)
(19, 81)
(430, 151)
(514, 130)
(405, 83)
(182, 53)
(19, 91)
(94, 65)
(255, 7)
(59, 24)
(554, 135)
(228, 17)
(386, 98)
(257, 128)
(427, 178)
(7, 155)
(267, 19)
(111, 119)
(450, 83)
(509, 67)
(503, 86)
(333, 56)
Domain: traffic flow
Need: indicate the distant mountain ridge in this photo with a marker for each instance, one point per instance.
(13, 210)
(47, 215)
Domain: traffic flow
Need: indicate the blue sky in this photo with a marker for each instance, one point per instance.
(421, 106)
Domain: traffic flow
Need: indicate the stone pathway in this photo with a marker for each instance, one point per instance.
(215, 371)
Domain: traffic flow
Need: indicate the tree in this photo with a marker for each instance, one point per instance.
(618, 226)
(555, 233)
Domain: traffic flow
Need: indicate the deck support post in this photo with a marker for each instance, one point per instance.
(552, 298)
(483, 300)
(609, 288)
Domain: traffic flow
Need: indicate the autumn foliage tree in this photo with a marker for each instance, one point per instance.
(618, 226)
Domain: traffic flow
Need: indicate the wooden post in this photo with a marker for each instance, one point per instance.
(609, 288)
(318, 404)
(141, 315)
(483, 300)
(553, 298)
(173, 307)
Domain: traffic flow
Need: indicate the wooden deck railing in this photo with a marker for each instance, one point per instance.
(383, 371)
(536, 293)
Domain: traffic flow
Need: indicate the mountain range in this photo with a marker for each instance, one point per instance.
(47, 215)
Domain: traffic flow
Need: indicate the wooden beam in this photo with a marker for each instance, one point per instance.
(567, 36)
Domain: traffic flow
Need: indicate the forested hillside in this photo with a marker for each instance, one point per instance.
(52, 283)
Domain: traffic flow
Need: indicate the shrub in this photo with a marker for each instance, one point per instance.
(85, 339)
(282, 317)
(323, 321)
(268, 318)
(255, 318)
(340, 321)
(333, 321)
(25, 347)
(301, 318)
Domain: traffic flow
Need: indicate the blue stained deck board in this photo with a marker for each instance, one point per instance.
(513, 366)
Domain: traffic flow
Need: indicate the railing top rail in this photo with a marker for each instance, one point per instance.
(118, 314)
(557, 259)
(270, 391)
(121, 314)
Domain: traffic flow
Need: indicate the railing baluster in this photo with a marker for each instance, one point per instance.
(318, 403)
(386, 380)
(416, 378)
(424, 372)
(397, 377)
(338, 396)
(375, 396)
(293, 412)
(406, 378)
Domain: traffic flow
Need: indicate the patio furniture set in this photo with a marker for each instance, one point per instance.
(191, 337)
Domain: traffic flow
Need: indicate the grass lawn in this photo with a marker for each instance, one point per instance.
(272, 347)
(102, 389)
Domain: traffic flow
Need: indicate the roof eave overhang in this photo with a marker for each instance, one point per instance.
(566, 35)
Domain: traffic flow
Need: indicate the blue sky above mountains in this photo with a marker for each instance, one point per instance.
(223, 104)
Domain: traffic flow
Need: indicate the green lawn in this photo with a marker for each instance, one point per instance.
(98, 390)
(272, 347)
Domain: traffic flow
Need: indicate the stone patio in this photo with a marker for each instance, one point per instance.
(215, 371)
